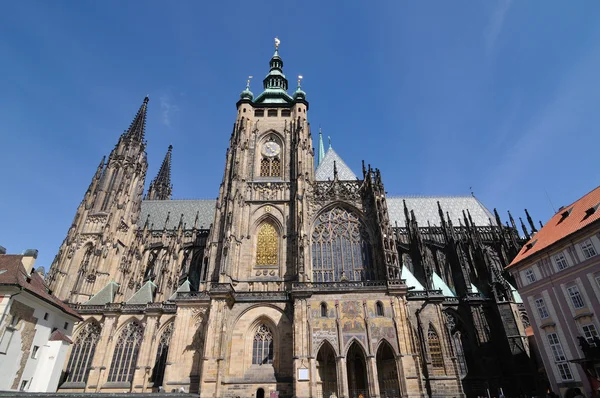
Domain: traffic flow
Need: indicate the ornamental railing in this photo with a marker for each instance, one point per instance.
(124, 308)
(329, 286)
(192, 296)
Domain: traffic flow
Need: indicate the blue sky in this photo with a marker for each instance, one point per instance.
(501, 96)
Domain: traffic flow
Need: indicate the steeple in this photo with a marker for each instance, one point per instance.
(138, 126)
(160, 188)
(275, 83)
(321, 148)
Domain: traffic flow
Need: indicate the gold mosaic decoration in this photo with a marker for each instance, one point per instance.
(267, 245)
(270, 167)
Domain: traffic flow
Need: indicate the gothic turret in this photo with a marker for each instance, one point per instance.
(161, 188)
(138, 126)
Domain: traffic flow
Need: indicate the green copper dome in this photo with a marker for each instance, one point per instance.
(247, 94)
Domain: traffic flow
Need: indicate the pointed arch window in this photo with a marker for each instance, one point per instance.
(262, 347)
(82, 354)
(85, 262)
(340, 248)
(323, 310)
(457, 339)
(160, 363)
(126, 353)
(379, 308)
(267, 245)
(435, 348)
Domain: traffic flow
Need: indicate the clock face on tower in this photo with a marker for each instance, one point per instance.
(271, 149)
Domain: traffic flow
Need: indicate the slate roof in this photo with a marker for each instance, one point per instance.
(426, 209)
(564, 223)
(159, 209)
(15, 274)
(324, 171)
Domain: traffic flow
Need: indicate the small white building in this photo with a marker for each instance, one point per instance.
(35, 327)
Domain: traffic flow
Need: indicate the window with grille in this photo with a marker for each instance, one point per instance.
(588, 249)
(340, 248)
(259, 113)
(126, 353)
(262, 348)
(530, 275)
(559, 356)
(160, 363)
(270, 167)
(576, 298)
(541, 307)
(589, 331)
(435, 348)
(82, 353)
(561, 261)
(267, 245)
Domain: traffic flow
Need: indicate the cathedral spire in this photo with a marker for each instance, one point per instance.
(160, 188)
(138, 126)
(321, 148)
(275, 83)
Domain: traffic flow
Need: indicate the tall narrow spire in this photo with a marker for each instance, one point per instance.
(321, 148)
(275, 83)
(161, 188)
(138, 126)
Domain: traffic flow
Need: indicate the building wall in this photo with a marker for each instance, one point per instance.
(564, 319)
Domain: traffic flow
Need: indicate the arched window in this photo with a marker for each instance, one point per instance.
(262, 348)
(340, 248)
(270, 167)
(267, 244)
(160, 363)
(460, 354)
(150, 272)
(435, 348)
(85, 262)
(324, 310)
(82, 354)
(126, 353)
(379, 308)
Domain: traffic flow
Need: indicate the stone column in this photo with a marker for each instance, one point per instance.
(372, 377)
(343, 391)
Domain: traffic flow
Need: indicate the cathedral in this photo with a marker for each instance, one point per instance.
(302, 279)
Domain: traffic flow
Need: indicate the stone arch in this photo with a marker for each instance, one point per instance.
(262, 140)
(356, 369)
(164, 336)
(358, 342)
(125, 351)
(322, 343)
(387, 369)
(341, 228)
(326, 366)
(82, 351)
(275, 215)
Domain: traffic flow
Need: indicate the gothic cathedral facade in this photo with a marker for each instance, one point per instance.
(298, 281)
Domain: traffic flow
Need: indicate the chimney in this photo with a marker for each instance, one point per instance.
(2, 250)
(29, 257)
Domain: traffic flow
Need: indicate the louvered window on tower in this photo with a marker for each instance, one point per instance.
(126, 353)
(267, 245)
(82, 354)
(270, 167)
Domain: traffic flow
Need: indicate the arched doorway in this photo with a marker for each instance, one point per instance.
(356, 370)
(326, 372)
(387, 372)
(260, 393)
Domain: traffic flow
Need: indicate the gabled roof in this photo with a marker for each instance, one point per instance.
(13, 273)
(57, 335)
(145, 295)
(184, 288)
(426, 209)
(568, 220)
(324, 171)
(105, 295)
(156, 212)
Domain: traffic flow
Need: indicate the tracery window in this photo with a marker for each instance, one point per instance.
(82, 354)
(160, 363)
(270, 167)
(267, 244)
(126, 353)
(460, 354)
(262, 348)
(340, 248)
(435, 348)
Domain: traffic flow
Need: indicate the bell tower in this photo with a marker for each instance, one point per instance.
(258, 220)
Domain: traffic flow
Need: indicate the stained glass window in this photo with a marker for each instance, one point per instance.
(126, 353)
(435, 348)
(160, 363)
(262, 348)
(267, 245)
(82, 354)
(340, 248)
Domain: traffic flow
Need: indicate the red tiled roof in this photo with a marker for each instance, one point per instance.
(57, 335)
(565, 222)
(15, 274)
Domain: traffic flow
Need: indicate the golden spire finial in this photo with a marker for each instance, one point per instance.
(300, 77)
(248, 81)
(277, 42)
